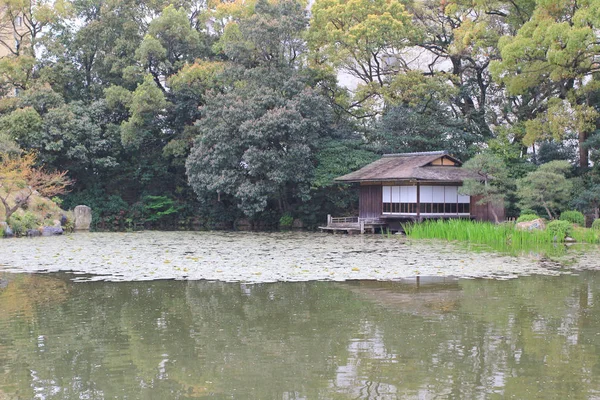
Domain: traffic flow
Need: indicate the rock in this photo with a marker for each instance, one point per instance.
(8, 232)
(297, 224)
(83, 218)
(570, 240)
(243, 224)
(33, 233)
(52, 230)
(538, 224)
(63, 220)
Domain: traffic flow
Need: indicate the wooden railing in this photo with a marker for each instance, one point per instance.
(342, 220)
(352, 222)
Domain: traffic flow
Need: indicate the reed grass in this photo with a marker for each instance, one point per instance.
(502, 237)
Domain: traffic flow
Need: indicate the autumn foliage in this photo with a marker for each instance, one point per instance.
(20, 178)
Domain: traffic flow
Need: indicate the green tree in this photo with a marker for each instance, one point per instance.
(489, 182)
(405, 129)
(547, 186)
(257, 143)
(552, 59)
(363, 39)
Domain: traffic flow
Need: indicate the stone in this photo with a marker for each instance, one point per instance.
(52, 230)
(536, 224)
(297, 224)
(243, 224)
(8, 232)
(83, 218)
(33, 233)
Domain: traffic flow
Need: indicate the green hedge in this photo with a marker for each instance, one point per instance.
(574, 217)
(560, 229)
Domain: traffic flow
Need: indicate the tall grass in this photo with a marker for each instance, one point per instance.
(502, 237)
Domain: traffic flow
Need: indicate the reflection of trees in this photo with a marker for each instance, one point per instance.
(526, 338)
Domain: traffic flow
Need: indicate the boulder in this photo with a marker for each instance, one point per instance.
(33, 233)
(8, 232)
(297, 224)
(83, 218)
(52, 230)
(538, 224)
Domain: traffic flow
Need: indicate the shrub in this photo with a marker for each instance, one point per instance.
(157, 207)
(528, 211)
(527, 217)
(596, 224)
(20, 223)
(574, 217)
(286, 221)
(560, 229)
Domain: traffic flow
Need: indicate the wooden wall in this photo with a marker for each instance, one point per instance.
(482, 212)
(370, 203)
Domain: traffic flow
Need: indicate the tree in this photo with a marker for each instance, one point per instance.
(363, 39)
(490, 183)
(547, 186)
(257, 142)
(589, 200)
(552, 60)
(20, 178)
(405, 129)
(23, 21)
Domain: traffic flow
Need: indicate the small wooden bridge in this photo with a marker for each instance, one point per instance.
(352, 225)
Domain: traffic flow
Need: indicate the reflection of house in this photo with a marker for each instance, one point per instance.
(425, 296)
(416, 186)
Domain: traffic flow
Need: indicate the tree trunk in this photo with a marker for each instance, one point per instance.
(548, 211)
(583, 151)
(494, 213)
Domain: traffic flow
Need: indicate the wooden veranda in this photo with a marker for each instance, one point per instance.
(352, 225)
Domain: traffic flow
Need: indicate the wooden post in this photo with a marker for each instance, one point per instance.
(362, 226)
(418, 201)
(328, 219)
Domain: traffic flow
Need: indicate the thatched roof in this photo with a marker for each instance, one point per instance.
(410, 166)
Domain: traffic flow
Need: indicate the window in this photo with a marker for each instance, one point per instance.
(442, 200)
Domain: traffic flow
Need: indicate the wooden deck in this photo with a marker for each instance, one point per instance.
(352, 225)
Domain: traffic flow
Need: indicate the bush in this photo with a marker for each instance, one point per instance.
(528, 211)
(574, 217)
(596, 224)
(560, 229)
(21, 223)
(527, 217)
(286, 221)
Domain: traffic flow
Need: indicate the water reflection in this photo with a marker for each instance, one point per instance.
(534, 337)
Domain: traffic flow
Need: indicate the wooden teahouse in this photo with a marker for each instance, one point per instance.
(416, 186)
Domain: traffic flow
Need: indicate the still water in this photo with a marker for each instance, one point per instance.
(525, 338)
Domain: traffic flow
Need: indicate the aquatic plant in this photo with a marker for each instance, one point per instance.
(505, 238)
(574, 217)
(584, 235)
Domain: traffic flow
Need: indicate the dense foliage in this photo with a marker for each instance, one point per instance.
(214, 114)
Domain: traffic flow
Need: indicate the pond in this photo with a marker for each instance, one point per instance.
(77, 335)
(270, 257)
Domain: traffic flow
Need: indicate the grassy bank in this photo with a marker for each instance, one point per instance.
(504, 237)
